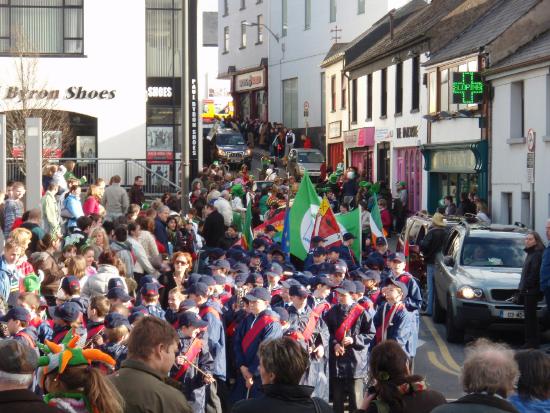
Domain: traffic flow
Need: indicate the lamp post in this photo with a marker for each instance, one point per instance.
(253, 24)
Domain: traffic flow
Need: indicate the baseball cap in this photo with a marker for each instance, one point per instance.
(275, 249)
(208, 280)
(198, 288)
(289, 283)
(146, 279)
(68, 311)
(317, 252)
(274, 270)
(398, 256)
(369, 275)
(324, 281)
(137, 314)
(401, 286)
(258, 242)
(17, 313)
(113, 320)
(317, 239)
(70, 283)
(115, 282)
(190, 319)
(334, 248)
(258, 293)
(219, 279)
(381, 241)
(298, 291)
(150, 289)
(118, 293)
(346, 287)
(348, 236)
(359, 287)
(221, 264)
(17, 358)
(254, 278)
(282, 313)
(242, 278)
(216, 253)
(240, 268)
(340, 267)
(270, 228)
(186, 305)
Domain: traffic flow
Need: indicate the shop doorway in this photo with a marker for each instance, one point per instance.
(383, 170)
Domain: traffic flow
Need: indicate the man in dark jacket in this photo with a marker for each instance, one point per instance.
(351, 332)
(283, 363)
(214, 226)
(17, 363)
(545, 268)
(135, 193)
(161, 234)
(431, 245)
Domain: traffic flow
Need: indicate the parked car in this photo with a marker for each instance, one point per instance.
(477, 276)
(413, 233)
(230, 147)
(301, 160)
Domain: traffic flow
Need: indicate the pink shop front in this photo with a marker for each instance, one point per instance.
(409, 170)
(359, 145)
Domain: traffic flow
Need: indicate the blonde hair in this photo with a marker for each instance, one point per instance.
(76, 266)
(95, 191)
(105, 246)
(22, 236)
(116, 334)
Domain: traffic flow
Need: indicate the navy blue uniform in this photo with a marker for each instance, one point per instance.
(211, 313)
(400, 328)
(117, 351)
(154, 310)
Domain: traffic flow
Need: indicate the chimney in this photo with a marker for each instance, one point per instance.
(391, 14)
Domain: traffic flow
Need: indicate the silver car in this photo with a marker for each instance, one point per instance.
(301, 160)
(477, 277)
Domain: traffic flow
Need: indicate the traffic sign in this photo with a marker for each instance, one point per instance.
(306, 105)
(531, 167)
(531, 140)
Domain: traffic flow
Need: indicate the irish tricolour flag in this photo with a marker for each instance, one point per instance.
(376, 227)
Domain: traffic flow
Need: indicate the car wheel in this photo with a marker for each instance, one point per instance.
(438, 311)
(454, 334)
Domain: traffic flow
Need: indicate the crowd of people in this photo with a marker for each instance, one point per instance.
(111, 303)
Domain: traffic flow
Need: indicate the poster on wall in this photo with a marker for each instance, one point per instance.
(85, 147)
(160, 138)
(51, 144)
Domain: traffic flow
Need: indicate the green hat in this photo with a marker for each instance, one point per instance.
(333, 178)
(31, 283)
(365, 184)
(403, 184)
(237, 190)
(375, 188)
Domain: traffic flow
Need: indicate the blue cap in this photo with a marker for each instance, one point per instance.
(208, 280)
(113, 320)
(68, 311)
(219, 279)
(70, 283)
(371, 275)
(258, 293)
(186, 305)
(240, 268)
(17, 313)
(289, 283)
(150, 289)
(115, 282)
(199, 288)
(397, 256)
(274, 270)
(254, 278)
(324, 281)
(282, 313)
(137, 314)
(118, 293)
(221, 264)
(348, 236)
(334, 248)
(381, 241)
(216, 253)
(242, 278)
(190, 319)
(347, 287)
(146, 279)
(359, 287)
(401, 286)
(317, 252)
(298, 291)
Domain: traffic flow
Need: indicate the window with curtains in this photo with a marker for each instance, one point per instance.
(163, 37)
(41, 26)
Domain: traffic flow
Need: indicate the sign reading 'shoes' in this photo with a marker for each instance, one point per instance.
(73, 92)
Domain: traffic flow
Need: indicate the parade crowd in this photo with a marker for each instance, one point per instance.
(114, 303)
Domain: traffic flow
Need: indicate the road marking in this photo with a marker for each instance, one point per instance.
(435, 361)
(445, 353)
(420, 343)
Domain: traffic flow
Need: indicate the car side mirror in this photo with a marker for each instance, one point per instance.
(449, 261)
(414, 249)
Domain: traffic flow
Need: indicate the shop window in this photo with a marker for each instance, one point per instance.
(344, 96)
(243, 34)
(444, 90)
(369, 97)
(290, 103)
(415, 104)
(39, 27)
(432, 92)
(332, 11)
(226, 39)
(260, 28)
(399, 88)
(354, 101)
(517, 110)
(333, 93)
(307, 15)
(383, 92)
(163, 33)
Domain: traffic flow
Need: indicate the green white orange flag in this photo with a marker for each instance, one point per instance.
(351, 222)
(302, 218)
(376, 227)
(247, 230)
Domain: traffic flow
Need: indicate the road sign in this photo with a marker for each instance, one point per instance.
(531, 167)
(306, 109)
(531, 140)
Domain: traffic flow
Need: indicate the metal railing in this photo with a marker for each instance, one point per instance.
(156, 176)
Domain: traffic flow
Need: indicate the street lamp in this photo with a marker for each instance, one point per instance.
(252, 24)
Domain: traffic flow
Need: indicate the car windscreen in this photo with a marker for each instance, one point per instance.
(493, 252)
(310, 157)
(230, 139)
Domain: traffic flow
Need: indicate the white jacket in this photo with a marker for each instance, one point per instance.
(97, 284)
(224, 207)
(58, 178)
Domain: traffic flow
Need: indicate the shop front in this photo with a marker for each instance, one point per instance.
(335, 144)
(456, 168)
(359, 146)
(409, 170)
(250, 94)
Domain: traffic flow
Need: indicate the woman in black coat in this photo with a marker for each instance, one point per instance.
(529, 287)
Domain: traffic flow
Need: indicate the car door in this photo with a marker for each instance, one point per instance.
(445, 273)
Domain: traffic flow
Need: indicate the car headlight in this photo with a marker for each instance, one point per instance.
(221, 152)
(248, 152)
(469, 293)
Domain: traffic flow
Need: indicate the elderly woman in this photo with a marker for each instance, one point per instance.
(533, 388)
(283, 362)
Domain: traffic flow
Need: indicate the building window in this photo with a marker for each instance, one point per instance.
(243, 34)
(243, 4)
(344, 96)
(290, 103)
(444, 90)
(226, 39)
(260, 29)
(307, 18)
(432, 92)
(369, 96)
(415, 104)
(384, 93)
(517, 113)
(35, 26)
(332, 11)
(399, 88)
(163, 39)
(333, 93)
(225, 7)
(354, 101)
(284, 20)
(360, 6)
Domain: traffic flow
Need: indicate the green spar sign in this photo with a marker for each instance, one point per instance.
(468, 88)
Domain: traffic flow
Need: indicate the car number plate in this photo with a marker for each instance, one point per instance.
(512, 314)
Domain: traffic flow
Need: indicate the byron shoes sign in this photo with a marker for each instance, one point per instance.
(18, 94)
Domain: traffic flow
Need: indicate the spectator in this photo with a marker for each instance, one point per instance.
(9, 275)
(488, 377)
(31, 221)
(152, 348)
(142, 264)
(70, 175)
(482, 212)
(450, 206)
(224, 207)
(92, 203)
(214, 226)
(396, 390)
(466, 206)
(97, 284)
(283, 362)
(545, 268)
(50, 211)
(115, 199)
(306, 142)
(17, 365)
(72, 207)
(135, 194)
(161, 234)
(533, 388)
(13, 207)
(385, 216)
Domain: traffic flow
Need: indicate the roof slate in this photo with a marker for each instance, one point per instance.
(538, 48)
